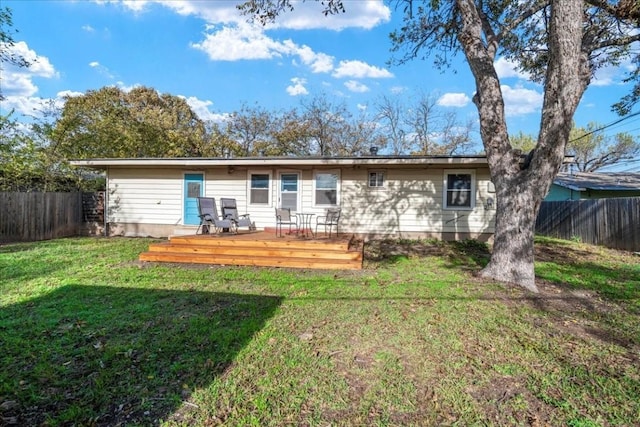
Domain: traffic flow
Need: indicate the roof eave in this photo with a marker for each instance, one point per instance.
(262, 162)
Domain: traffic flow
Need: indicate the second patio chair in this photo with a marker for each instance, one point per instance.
(330, 219)
(284, 217)
(230, 211)
(208, 214)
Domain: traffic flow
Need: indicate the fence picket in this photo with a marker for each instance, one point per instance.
(614, 223)
(26, 217)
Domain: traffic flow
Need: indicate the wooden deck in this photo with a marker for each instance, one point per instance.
(260, 249)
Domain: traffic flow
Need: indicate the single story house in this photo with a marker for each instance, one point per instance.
(448, 197)
(592, 185)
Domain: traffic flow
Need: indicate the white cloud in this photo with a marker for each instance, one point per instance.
(240, 42)
(520, 101)
(318, 62)
(454, 100)
(88, 29)
(355, 86)
(506, 69)
(69, 93)
(612, 75)
(306, 15)
(26, 105)
(40, 65)
(18, 81)
(126, 88)
(101, 69)
(297, 88)
(201, 108)
(359, 69)
(360, 14)
(230, 37)
(33, 106)
(248, 42)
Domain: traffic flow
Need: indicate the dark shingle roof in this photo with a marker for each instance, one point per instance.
(613, 181)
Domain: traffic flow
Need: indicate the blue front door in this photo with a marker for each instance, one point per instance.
(193, 188)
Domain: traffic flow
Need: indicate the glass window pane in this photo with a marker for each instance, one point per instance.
(459, 190)
(327, 180)
(376, 179)
(459, 181)
(326, 197)
(289, 200)
(260, 181)
(259, 196)
(289, 182)
(259, 189)
(193, 190)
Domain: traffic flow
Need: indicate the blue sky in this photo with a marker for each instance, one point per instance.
(206, 52)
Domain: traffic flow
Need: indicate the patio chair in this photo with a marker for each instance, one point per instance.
(284, 217)
(230, 211)
(208, 214)
(330, 219)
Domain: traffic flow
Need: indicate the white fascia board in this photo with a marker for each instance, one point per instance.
(255, 162)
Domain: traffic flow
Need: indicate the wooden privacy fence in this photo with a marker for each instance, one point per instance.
(27, 217)
(614, 223)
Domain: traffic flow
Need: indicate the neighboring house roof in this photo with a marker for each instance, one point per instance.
(584, 181)
(374, 161)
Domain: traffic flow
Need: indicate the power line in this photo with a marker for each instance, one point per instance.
(620, 120)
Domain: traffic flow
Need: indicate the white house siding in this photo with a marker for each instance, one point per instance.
(141, 199)
(234, 184)
(150, 201)
(411, 204)
(221, 183)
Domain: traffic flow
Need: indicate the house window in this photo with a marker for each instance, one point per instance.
(376, 179)
(459, 189)
(326, 188)
(259, 188)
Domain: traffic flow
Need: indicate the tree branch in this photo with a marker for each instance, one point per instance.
(623, 9)
(621, 41)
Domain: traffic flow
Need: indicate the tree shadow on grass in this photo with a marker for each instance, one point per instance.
(91, 355)
(463, 253)
(11, 270)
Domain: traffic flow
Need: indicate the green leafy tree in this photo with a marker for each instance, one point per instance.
(29, 161)
(141, 123)
(289, 136)
(250, 128)
(325, 123)
(523, 142)
(560, 43)
(593, 150)
(217, 142)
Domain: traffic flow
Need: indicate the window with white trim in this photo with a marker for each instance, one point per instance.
(259, 188)
(325, 186)
(376, 179)
(459, 189)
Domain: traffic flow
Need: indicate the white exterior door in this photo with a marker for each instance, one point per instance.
(289, 196)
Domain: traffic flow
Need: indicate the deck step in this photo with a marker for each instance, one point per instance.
(312, 253)
(269, 242)
(292, 262)
(258, 249)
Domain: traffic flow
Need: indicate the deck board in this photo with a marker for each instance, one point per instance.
(259, 249)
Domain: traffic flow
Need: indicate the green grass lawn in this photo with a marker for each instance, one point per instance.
(90, 336)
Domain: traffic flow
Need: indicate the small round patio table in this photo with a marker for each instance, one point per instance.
(305, 223)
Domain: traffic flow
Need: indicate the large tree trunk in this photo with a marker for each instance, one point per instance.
(512, 258)
(520, 183)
